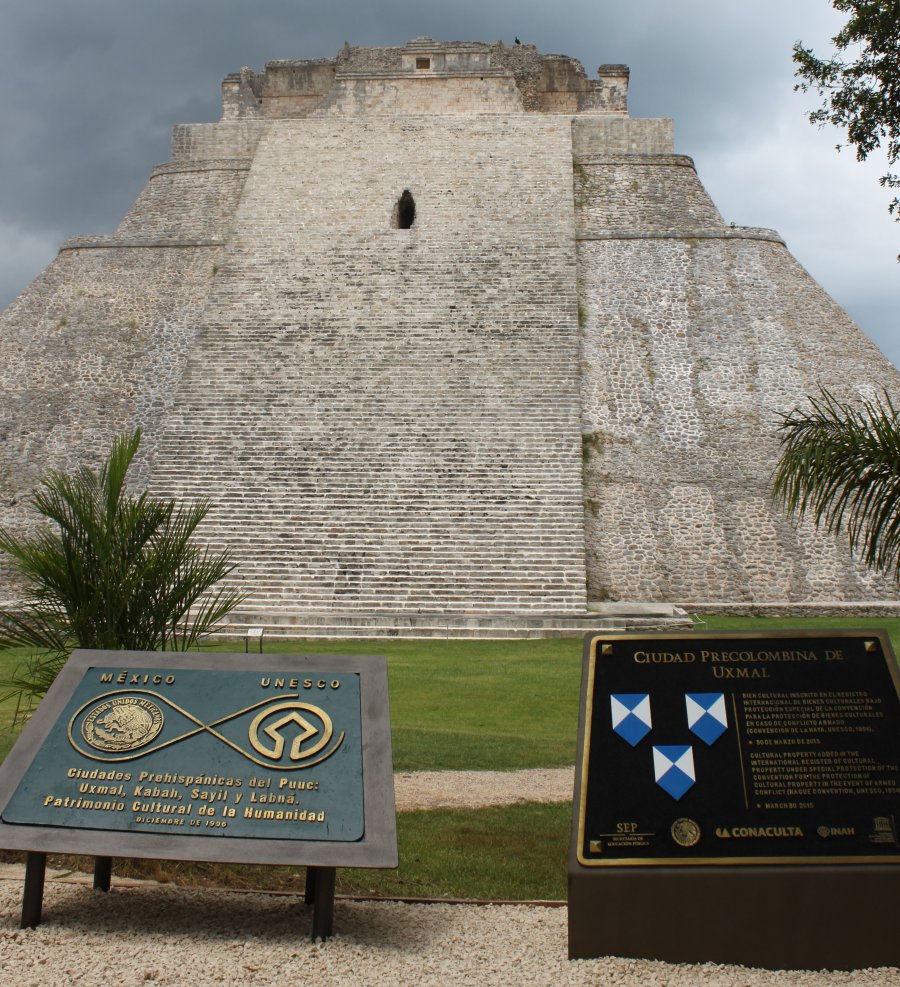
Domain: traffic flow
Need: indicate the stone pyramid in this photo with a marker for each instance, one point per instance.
(441, 329)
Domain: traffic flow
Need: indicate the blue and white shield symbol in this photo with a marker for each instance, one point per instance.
(631, 715)
(673, 767)
(706, 715)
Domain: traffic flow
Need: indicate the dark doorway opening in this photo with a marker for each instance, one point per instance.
(405, 212)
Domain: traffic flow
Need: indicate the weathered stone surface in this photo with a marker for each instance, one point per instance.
(691, 347)
(559, 384)
(375, 432)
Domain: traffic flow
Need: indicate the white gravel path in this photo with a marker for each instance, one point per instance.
(474, 789)
(146, 934)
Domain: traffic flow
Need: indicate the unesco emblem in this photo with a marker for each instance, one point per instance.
(685, 832)
(122, 724)
(296, 730)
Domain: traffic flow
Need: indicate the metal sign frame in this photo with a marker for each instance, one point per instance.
(376, 848)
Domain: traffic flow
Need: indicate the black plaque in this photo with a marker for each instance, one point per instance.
(741, 781)
(766, 750)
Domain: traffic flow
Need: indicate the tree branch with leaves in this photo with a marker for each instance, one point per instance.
(861, 94)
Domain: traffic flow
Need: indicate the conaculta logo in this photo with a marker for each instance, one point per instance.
(757, 832)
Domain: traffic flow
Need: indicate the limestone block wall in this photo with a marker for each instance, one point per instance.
(610, 95)
(390, 80)
(638, 194)
(387, 418)
(418, 94)
(294, 88)
(241, 95)
(694, 337)
(96, 345)
(291, 106)
(606, 136)
(188, 200)
(228, 139)
(92, 348)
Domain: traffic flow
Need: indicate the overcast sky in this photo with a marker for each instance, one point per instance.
(92, 88)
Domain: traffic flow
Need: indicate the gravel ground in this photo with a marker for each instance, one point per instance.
(474, 789)
(145, 934)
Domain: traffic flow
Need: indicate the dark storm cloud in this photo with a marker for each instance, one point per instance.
(92, 89)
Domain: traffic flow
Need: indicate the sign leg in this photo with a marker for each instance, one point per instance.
(102, 873)
(309, 894)
(33, 896)
(323, 902)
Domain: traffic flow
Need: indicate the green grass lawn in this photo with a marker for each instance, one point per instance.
(484, 705)
(513, 853)
(475, 705)
(756, 624)
(9, 730)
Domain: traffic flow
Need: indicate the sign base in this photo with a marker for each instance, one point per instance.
(779, 917)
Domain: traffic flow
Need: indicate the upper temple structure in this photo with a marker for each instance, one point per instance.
(441, 330)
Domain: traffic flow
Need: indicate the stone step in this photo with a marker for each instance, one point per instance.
(336, 625)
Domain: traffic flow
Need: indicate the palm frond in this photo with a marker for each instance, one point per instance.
(840, 466)
(112, 571)
(31, 680)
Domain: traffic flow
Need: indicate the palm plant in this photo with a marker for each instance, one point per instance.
(840, 465)
(112, 571)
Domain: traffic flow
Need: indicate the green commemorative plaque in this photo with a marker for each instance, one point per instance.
(251, 754)
(255, 759)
